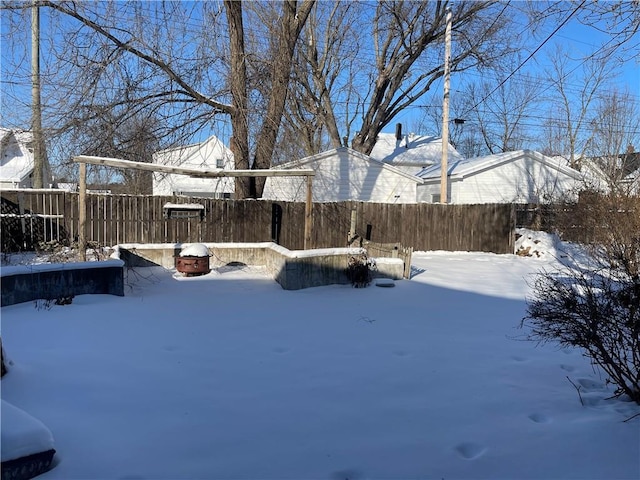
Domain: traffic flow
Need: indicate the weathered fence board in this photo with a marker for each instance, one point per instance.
(113, 219)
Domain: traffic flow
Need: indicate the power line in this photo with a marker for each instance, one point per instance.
(531, 55)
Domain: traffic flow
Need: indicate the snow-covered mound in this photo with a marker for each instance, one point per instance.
(548, 246)
(22, 435)
(532, 243)
(194, 250)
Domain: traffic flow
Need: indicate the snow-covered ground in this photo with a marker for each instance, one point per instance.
(229, 376)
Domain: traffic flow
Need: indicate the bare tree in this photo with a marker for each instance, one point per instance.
(324, 76)
(166, 59)
(406, 63)
(571, 115)
(620, 19)
(501, 118)
(616, 132)
(286, 31)
(361, 66)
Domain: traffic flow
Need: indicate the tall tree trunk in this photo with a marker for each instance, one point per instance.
(239, 142)
(293, 19)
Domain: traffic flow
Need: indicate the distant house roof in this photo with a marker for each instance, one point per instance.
(627, 164)
(459, 169)
(195, 155)
(211, 154)
(16, 157)
(353, 153)
(412, 150)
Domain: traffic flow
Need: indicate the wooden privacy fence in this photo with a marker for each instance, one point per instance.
(31, 216)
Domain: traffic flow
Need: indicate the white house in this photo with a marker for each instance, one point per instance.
(209, 155)
(522, 176)
(16, 158)
(344, 174)
(411, 152)
(621, 171)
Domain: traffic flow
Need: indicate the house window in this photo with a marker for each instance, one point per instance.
(435, 198)
(220, 163)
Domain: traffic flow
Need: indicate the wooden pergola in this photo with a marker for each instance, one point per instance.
(83, 160)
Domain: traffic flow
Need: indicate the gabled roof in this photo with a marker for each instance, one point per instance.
(22, 136)
(463, 168)
(337, 151)
(193, 154)
(628, 164)
(412, 150)
(15, 169)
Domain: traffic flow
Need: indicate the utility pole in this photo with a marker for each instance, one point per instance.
(39, 148)
(445, 110)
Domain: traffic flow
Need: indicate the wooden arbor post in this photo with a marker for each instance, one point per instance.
(82, 212)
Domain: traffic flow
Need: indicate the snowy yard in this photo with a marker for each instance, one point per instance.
(230, 376)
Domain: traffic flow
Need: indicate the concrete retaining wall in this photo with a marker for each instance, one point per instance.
(293, 270)
(52, 281)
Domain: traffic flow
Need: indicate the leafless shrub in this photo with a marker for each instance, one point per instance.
(360, 270)
(593, 311)
(597, 308)
(609, 226)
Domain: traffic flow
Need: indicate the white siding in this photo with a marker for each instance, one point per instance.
(16, 163)
(427, 192)
(204, 156)
(523, 179)
(343, 176)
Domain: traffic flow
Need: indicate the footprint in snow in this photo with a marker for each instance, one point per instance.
(589, 384)
(280, 350)
(517, 358)
(539, 418)
(470, 450)
(349, 474)
(567, 368)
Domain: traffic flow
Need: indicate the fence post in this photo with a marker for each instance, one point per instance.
(351, 236)
(23, 222)
(82, 213)
(308, 213)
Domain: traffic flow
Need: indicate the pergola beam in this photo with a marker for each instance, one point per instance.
(194, 173)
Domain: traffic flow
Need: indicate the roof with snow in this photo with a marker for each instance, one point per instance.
(353, 154)
(416, 150)
(16, 159)
(465, 167)
(203, 154)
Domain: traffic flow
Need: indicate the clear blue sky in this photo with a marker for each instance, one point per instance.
(577, 39)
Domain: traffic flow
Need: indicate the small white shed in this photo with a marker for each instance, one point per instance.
(522, 176)
(211, 154)
(345, 174)
(16, 158)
